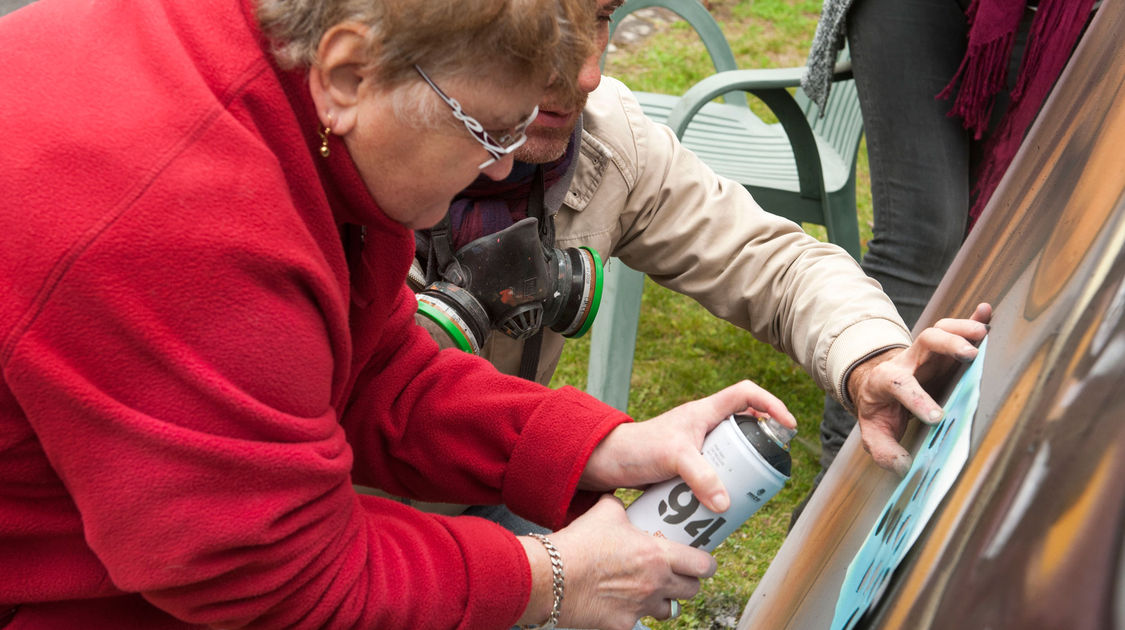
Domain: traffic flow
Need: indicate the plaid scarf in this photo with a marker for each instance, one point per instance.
(488, 206)
(1054, 31)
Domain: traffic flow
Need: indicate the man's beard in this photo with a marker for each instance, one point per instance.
(547, 144)
(544, 144)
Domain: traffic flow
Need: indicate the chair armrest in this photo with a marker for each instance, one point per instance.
(769, 85)
(842, 71)
(765, 78)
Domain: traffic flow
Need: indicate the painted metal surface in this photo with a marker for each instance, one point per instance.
(1030, 535)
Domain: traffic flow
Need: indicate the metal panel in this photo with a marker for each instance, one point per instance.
(1030, 536)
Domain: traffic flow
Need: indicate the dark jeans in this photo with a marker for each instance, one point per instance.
(904, 52)
(507, 519)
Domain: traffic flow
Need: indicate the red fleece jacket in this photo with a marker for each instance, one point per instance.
(195, 371)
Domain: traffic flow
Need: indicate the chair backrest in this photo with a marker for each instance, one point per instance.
(704, 24)
(842, 125)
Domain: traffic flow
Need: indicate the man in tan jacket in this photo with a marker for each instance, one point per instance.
(598, 173)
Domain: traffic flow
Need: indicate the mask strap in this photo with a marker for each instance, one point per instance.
(529, 360)
(442, 263)
(536, 207)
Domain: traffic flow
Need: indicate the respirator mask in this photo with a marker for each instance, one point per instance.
(513, 282)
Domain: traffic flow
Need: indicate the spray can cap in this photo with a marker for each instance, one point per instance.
(777, 432)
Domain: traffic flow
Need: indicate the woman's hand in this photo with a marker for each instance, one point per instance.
(615, 573)
(637, 454)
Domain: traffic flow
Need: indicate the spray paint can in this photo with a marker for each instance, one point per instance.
(751, 456)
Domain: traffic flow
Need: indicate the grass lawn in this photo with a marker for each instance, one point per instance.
(683, 352)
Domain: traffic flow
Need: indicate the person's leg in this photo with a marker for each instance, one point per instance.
(507, 519)
(903, 53)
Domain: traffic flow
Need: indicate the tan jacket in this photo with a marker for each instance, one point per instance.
(639, 195)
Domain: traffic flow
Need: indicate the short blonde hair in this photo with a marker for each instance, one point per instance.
(524, 40)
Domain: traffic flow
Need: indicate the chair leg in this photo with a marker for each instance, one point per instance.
(841, 220)
(847, 237)
(614, 336)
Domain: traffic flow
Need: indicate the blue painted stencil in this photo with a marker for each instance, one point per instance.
(935, 468)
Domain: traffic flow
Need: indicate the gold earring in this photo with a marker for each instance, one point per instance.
(324, 133)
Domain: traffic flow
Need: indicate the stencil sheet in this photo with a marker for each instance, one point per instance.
(914, 501)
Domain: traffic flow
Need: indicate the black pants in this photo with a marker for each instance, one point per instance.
(904, 52)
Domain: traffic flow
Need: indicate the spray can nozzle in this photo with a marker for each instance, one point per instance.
(777, 432)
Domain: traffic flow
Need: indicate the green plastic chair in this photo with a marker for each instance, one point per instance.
(802, 168)
(708, 30)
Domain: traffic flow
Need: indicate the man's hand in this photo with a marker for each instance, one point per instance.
(888, 388)
(636, 454)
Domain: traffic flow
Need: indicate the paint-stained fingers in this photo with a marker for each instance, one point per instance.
(954, 338)
(886, 451)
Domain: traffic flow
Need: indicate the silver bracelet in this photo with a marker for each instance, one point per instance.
(556, 586)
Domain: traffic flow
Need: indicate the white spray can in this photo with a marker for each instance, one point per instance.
(751, 456)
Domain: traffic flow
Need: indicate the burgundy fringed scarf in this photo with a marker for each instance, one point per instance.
(1054, 32)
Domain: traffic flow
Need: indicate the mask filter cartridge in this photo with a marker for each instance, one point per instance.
(516, 285)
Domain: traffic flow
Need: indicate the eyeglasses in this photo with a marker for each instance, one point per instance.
(496, 147)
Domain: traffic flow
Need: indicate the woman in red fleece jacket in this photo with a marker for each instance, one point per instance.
(206, 338)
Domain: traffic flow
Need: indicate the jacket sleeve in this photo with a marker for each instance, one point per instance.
(703, 235)
(461, 431)
(186, 393)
